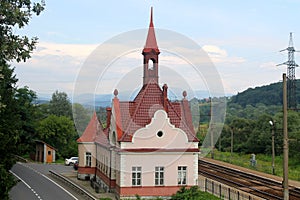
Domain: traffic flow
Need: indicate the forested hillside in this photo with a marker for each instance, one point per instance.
(268, 95)
(247, 116)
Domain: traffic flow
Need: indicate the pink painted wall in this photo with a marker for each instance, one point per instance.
(148, 162)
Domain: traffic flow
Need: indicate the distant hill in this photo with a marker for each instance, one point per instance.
(268, 95)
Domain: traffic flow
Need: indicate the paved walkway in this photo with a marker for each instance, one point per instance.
(86, 185)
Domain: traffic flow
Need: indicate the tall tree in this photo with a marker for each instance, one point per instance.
(59, 132)
(9, 128)
(28, 112)
(60, 105)
(13, 14)
(81, 116)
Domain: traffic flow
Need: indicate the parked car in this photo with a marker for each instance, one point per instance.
(75, 166)
(71, 160)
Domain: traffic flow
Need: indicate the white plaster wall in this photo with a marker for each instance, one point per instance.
(172, 138)
(118, 174)
(82, 149)
(103, 156)
(148, 162)
(112, 123)
(113, 165)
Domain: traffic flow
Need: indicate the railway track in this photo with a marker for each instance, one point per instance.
(250, 183)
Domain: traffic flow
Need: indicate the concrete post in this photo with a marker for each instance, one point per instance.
(285, 144)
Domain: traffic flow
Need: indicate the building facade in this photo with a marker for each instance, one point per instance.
(44, 152)
(149, 146)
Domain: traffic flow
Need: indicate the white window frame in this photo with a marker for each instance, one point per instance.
(88, 159)
(182, 175)
(136, 176)
(159, 175)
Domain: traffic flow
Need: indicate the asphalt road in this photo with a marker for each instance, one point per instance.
(34, 183)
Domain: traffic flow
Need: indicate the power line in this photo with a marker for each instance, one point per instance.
(291, 80)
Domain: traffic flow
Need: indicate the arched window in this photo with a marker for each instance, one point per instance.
(151, 64)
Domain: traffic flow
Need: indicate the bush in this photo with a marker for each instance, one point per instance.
(192, 193)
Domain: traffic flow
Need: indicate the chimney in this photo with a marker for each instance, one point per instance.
(165, 97)
(108, 116)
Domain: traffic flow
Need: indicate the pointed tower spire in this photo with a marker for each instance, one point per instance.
(150, 53)
(151, 43)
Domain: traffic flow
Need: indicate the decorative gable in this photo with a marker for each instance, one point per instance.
(160, 133)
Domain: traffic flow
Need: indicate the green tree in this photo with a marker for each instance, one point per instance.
(59, 132)
(13, 14)
(101, 114)
(81, 117)
(259, 141)
(16, 13)
(10, 126)
(60, 105)
(27, 111)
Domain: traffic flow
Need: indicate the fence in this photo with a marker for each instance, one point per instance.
(224, 191)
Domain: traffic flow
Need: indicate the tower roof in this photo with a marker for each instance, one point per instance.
(91, 130)
(151, 44)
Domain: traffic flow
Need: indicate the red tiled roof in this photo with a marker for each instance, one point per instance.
(102, 138)
(91, 131)
(138, 113)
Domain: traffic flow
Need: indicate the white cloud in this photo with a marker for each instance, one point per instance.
(214, 50)
(219, 55)
(53, 67)
(75, 50)
(56, 66)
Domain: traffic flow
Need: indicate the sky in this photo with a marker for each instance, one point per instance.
(241, 38)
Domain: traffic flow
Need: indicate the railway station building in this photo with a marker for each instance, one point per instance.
(149, 146)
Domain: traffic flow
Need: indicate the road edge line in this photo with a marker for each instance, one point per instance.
(59, 186)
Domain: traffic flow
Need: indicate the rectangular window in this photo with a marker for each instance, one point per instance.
(136, 176)
(88, 159)
(159, 175)
(181, 175)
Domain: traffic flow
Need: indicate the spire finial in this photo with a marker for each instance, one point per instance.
(151, 17)
(116, 92)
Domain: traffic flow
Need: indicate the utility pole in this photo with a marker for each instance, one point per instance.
(285, 144)
(272, 123)
(231, 146)
(220, 143)
(212, 146)
(291, 80)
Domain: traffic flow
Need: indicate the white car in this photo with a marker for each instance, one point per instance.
(71, 160)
